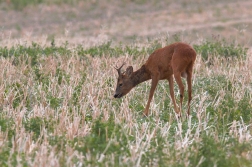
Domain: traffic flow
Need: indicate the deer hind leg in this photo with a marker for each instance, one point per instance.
(177, 76)
(152, 90)
(171, 86)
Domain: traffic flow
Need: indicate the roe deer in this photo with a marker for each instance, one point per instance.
(176, 59)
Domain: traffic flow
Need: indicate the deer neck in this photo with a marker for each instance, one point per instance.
(140, 76)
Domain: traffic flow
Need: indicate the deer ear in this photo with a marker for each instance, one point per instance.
(129, 71)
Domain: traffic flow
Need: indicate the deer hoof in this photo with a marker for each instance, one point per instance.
(145, 115)
(178, 115)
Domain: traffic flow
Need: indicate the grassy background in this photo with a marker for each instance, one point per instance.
(57, 82)
(93, 22)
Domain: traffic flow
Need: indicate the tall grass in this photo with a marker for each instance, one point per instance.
(57, 109)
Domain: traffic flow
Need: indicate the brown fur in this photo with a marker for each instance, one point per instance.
(176, 59)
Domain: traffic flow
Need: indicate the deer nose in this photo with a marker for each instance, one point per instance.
(116, 95)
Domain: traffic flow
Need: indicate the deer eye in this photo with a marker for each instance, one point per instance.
(120, 85)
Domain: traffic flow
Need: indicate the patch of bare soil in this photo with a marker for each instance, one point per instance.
(126, 21)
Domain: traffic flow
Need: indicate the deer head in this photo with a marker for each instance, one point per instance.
(124, 81)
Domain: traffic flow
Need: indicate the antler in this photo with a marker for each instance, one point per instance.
(119, 69)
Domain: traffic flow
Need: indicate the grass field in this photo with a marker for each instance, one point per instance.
(57, 81)
(57, 109)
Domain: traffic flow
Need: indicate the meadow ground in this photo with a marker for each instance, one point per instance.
(57, 82)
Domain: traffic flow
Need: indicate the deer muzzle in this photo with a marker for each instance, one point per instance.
(117, 95)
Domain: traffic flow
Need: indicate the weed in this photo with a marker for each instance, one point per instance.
(34, 125)
(7, 125)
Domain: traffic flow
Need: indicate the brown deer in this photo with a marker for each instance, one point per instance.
(176, 59)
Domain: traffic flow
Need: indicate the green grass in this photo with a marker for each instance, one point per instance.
(21, 4)
(57, 108)
(220, 49)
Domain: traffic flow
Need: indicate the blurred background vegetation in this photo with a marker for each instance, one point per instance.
(127, 21)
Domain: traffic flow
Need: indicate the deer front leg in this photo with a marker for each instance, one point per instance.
(189, 83)
(152, 90)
